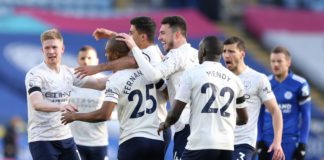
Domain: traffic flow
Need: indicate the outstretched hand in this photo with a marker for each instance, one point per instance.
(84, 71)
(278, 153)
(127, 39)
(67, 117)
(101, 33)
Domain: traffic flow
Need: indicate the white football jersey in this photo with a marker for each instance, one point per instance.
(154, 55)
(215, 93)
(56, 88)
(85, 133)
(174, 64)
(257, 90)
(136, 102)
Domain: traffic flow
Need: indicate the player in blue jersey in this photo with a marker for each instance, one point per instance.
(293, 96)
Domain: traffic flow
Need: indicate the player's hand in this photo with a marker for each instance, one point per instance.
(84, 71)
(278, 153)
(262, 151)
(67, 117)
(299, 153)
(127, 39)
(101, 33)
(161, 128)
(69, 108)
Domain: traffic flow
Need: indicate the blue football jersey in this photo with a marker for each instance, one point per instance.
(293, 97)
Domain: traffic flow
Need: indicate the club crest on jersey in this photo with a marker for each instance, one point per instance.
(247, 85)
(288, 95)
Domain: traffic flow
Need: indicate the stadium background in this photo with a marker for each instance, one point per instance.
(263, 24)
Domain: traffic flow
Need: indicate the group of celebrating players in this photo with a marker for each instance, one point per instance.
(216, 111)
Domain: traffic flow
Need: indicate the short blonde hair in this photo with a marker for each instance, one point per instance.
(51, 34)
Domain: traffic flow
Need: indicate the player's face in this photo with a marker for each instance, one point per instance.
(136, 36)
(166, 37)
(52, 50)
(233, 56)
(279, 64)
(87, 58)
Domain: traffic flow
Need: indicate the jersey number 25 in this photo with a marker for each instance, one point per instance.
(136, 113)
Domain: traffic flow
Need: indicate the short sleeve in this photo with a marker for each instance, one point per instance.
(264, 89)
(112, 91)
(184, 92)
(33, 82)
(240, 100)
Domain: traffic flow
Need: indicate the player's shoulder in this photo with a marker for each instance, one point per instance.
(257, 76)
(298, 79)
(36, 70)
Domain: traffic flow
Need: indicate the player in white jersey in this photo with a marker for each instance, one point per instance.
(257, 91)
(180, 56)
(48, 87)
(91, 138)
(217, 105)
(136, 103)
(142, 30)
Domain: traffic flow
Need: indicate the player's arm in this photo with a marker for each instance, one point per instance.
(277, 122)
(102, 114)
(39, 104)
(150, 73)
(173, 115)
(101, 33)
(242, 116)
(96, 83)
(304, 103)
(119, 64)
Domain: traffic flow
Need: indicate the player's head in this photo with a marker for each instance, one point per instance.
(280, 61)
(87, 56)
(116, 49)
(234, 53)
(173, 29)
(52, 47)
(142, 30)
(210, 49)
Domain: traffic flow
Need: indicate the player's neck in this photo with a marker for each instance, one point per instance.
(240, 68)
(55, 68)
(281, 77)
(145, 45)
(180, 42)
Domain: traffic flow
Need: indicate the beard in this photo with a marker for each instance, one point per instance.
(169, 46)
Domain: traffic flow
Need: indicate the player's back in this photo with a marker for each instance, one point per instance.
(137, 104)
(213, 107)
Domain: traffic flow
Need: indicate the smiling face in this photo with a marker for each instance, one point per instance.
(53, 50)
(166, 37)
(233, 57)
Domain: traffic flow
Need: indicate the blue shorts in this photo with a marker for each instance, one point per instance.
(180, 141)
(243, 152)
(54, 150)
(89, 153)
(207, 154)
(140, 148)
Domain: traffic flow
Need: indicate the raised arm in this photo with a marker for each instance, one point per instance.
(96, 83)
(101, 33)
(149, 71)
(119, 64)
